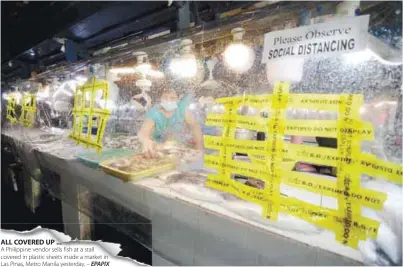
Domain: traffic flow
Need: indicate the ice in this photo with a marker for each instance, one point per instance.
(198, 192)
(388, 241)
(284, 222)
(191, 184)
(368, 250)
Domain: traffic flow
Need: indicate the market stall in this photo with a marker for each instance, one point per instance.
(272, 103)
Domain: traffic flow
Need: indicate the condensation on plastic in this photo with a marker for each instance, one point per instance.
(322, 75)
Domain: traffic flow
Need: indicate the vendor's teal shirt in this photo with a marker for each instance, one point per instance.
(169, 128)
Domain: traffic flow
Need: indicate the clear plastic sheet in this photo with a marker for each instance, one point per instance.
(379, 83)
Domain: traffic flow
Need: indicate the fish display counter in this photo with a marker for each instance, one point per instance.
(194, 224)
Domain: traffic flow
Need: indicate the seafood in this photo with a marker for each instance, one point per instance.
(171, 152)
(138, 163)
(122, 141)
(187, 177)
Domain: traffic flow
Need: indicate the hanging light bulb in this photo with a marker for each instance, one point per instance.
(142, 63)
(184, 66)
(238, 56)
(144, 67)
(145, 86)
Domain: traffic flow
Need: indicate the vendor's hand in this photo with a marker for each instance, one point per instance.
(149, 148)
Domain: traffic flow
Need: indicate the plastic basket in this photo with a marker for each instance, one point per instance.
(92, 159)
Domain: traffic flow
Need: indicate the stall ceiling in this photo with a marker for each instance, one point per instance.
(29, 28)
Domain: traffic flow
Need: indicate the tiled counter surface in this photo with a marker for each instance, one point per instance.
(191, 232)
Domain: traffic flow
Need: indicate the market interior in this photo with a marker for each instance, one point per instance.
(179, 128)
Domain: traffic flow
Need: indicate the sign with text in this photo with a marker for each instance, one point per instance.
(345, 35)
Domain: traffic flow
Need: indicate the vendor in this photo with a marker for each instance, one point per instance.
(168, 120)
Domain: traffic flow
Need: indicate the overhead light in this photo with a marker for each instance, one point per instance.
(156, 74)
(32, 53)
(238, 56)
(184, 66)
(143, 66)
(127, 70)
(10, 64)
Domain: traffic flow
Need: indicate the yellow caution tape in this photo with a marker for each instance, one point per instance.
(319, 128)
(348, 174)
(329, 219)
(369, 164)
(314, 101)
(327, 102)
(272, 160)
(326, 128)
(275, 153)
(366, 197)
(379, 168)
(250, 194)
(258, 101)
(326, 187)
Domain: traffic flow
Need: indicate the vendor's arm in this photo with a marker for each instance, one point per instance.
(145, 136)
(195, 129)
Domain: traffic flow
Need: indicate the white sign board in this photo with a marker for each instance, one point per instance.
(343, 35)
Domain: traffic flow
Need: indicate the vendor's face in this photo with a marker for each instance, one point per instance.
(169, 101)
